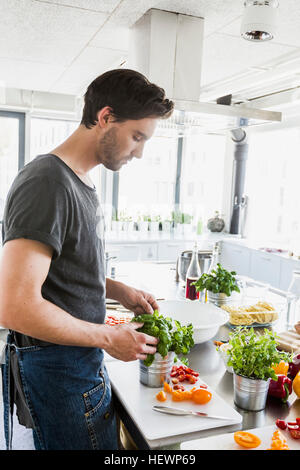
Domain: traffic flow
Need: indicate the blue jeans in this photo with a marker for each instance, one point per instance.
(68, 393)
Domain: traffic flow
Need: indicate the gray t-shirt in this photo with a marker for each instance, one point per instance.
(49, 203)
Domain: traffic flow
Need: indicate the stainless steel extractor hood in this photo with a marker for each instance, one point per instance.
(167, 48)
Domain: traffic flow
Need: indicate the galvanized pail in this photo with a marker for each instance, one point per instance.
(159, 371)
(250, 394)
(218, 299)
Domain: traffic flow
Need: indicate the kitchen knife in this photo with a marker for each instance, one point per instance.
(180, 412)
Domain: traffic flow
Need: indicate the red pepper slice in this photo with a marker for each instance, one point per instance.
(298, 421)
(178, 387)
(293, 425)
(192, 380)
(281, 424)
(181, 378)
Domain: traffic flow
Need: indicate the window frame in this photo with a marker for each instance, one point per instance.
(21, 116)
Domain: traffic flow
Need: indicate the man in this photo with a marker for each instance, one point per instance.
(52, 279)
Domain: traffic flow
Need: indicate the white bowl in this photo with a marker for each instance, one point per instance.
(205, 318)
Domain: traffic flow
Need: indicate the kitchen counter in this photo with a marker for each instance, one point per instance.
(160, 280)
(148, 236)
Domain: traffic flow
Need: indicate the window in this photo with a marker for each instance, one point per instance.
(272, 184)
(202, 174)
(12, 144)
(46, 134)
(147, 185)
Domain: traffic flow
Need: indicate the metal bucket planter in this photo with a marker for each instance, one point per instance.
(250, 394)
(159, 371)
(218, 299)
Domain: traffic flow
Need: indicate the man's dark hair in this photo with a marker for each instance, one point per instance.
(129, 95)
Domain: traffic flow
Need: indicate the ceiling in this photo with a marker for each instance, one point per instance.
(61, 45)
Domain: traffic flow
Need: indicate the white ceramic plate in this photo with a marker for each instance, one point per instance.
(205, 318)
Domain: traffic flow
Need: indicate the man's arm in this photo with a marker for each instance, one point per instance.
(24, 267)
(135, 300)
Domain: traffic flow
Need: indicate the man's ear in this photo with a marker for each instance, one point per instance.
(104, 116)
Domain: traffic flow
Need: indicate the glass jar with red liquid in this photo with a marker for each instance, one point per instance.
(192, 275)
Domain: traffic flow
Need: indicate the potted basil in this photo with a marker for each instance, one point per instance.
(252, 356)
(219, 284)
(174, 340)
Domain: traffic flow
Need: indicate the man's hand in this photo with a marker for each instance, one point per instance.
(126, 344)
(136, 300)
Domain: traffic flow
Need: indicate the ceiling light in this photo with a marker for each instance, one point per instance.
(259, 22)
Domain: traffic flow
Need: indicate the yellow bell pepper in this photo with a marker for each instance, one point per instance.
(296, 384)
(281, 368)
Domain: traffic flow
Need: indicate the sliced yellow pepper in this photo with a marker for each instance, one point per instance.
(296, 384)
(281, 368)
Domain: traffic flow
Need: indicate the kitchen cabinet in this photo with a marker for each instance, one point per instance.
(148, 252)
(235, 258)
(160, 250)
(125, 252)
(169, 250)
(286, 272)
(269, 268)
(265, 267)
(133, 251)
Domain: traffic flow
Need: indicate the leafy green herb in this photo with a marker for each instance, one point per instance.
(252, 355)
(218, 281)
(172, 335)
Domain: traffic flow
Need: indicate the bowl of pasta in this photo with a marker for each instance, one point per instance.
(261, 313)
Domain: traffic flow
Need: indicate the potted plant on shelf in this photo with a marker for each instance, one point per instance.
(116, 223)
(166, 225)
(252, 357)
(187, 223)
(219, 284)
(143, 223)
(154, 223)
(128, 223)
(177, 222)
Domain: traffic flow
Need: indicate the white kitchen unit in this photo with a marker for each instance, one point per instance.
(236, 258)
(269, 268)
(160, 250)
(170, 250)
(265, 267)
(159, 247)
(287, 266)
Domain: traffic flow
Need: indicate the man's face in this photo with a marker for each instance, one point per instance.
(124, 140)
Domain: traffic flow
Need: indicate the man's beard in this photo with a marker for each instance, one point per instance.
(109, 150)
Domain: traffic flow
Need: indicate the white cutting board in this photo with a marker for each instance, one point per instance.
(139, 399)
(227, 442)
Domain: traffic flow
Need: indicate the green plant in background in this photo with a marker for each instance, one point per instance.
(219, 281)
(177, 217)
(252, 355)
(172, 335)
(187, 218)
